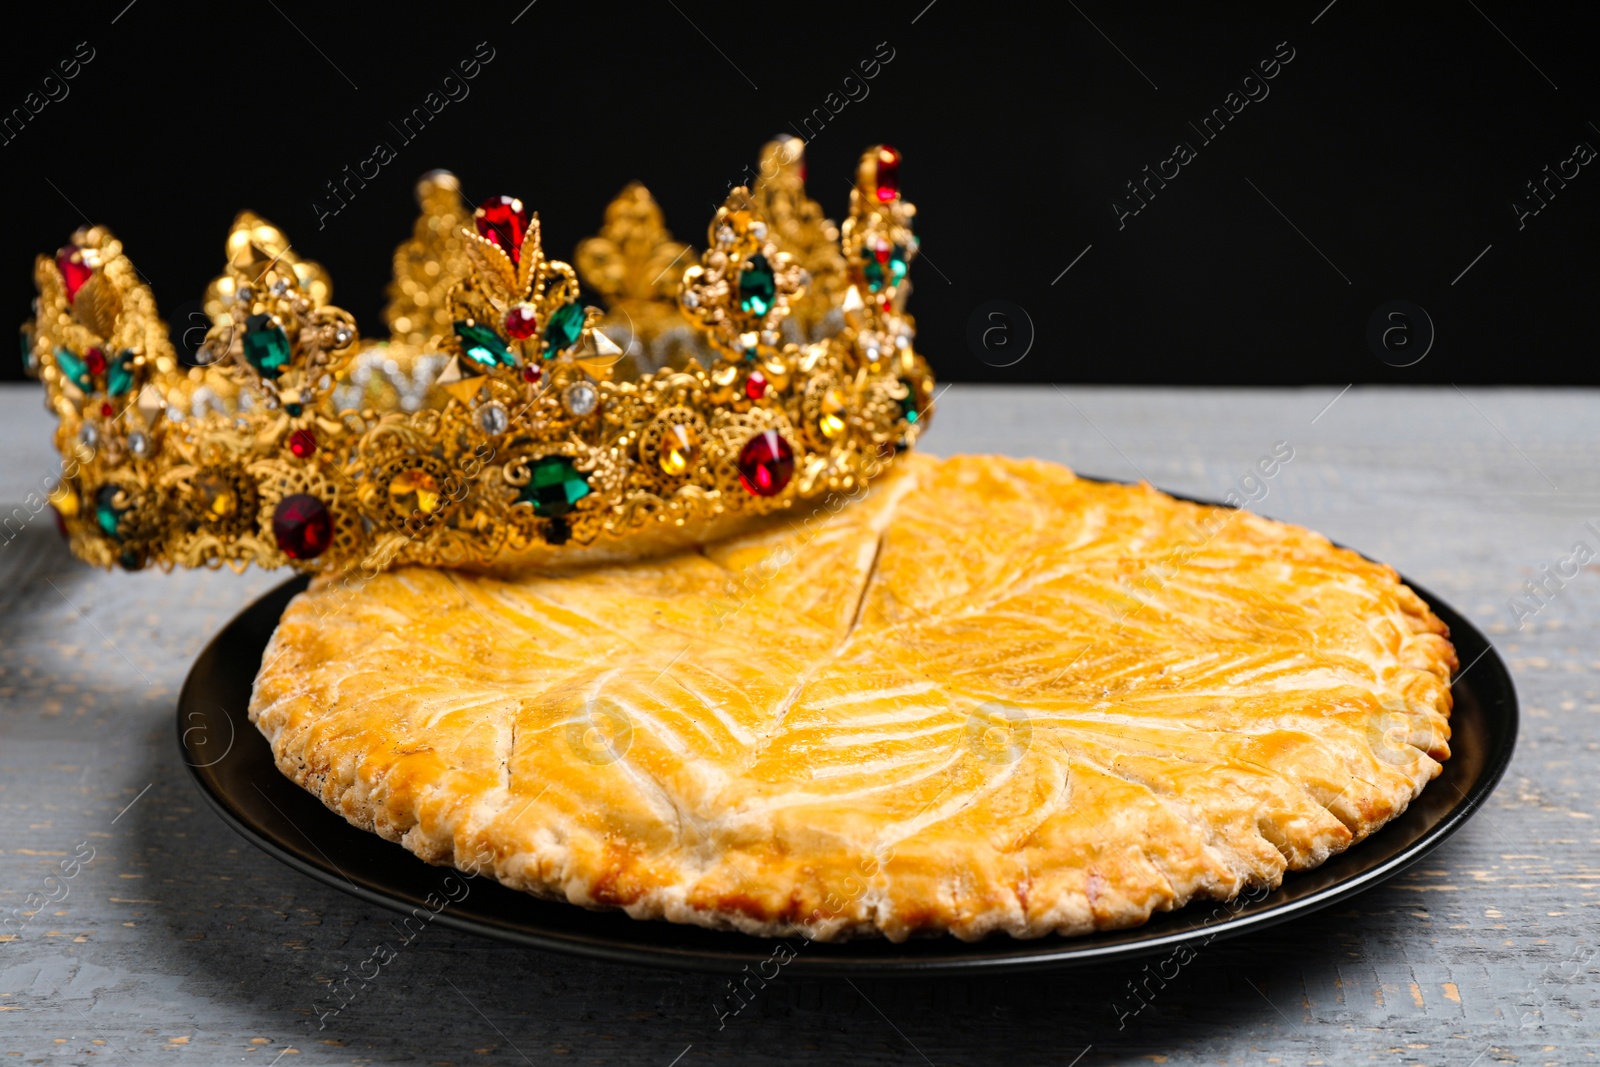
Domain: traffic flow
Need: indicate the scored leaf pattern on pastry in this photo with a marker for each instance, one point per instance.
(991, 697)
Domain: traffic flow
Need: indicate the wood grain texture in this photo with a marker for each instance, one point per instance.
(180, 942)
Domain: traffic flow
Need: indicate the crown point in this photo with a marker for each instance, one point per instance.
(503, 222)
(886, 178)
(436, 180)
(793, 151)
(75, 270)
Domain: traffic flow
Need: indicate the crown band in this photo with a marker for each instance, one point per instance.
(506, 423)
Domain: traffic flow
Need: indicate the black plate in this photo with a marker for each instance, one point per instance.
(234, 767)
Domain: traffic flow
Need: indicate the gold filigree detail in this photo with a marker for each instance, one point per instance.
(636, 267)
(802, 229)
(741, 290)
(508, 432)
(429, 265)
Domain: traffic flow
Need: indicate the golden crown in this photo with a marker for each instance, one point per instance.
(505, 422)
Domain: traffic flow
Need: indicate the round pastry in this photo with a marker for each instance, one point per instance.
(990, 696)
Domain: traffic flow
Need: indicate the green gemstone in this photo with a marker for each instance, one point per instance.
(563, 329)
(554, 487)
(119, 378)
(293, 410)
(106, 513)
(74, 369)
(757, 287)
(897, 264)
(27, 350)
(483, 346)
(266, 346)
(874, 274)
(908, 406)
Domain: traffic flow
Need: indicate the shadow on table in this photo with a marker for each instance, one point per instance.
(280, 956)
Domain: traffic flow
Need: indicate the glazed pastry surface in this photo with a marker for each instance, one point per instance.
(990, 696)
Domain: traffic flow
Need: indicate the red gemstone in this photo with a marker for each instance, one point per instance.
(61, 523)
(502, 221)
(888, 176)
(531, 374)
(755, 386)
(95, 360)
(521, 322)
(106, 410)
(302, 443)
(303, 526)
(766, 463)
(74, 271)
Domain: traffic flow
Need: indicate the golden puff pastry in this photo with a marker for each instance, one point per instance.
(989, 697)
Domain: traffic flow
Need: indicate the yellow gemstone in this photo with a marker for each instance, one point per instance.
(216, 496)
(680, 447)
(832, 423)
(418, 483)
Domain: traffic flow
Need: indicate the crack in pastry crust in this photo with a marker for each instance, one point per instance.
(989, 697)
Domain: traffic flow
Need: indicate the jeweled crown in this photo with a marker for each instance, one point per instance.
(507, 421)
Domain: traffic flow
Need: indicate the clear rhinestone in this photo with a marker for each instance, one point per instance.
(758, 230)
(581, 398)
(244, 294)
(138, 444)
(725, 236)
(769, 337)
(342, 335)
(493, 420)
(89, 435)
(280, 287)
(691, 299)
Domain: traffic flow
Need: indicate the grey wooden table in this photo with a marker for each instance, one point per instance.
(178, 941)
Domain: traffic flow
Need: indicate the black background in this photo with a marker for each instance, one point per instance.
(1391, 149)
